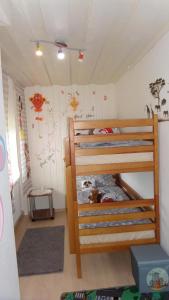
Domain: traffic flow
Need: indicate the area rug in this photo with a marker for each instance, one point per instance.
(41, 251)
(122, 293)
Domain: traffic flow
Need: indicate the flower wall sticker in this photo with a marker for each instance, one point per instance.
(1, 218)
(37, 100)
(2, 153)
(74, 103)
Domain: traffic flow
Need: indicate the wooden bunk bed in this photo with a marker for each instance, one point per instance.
(78, 163)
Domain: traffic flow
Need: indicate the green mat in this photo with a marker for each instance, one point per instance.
(122, 293)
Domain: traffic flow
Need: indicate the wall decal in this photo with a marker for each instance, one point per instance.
(37, 100)
(78, 116)
(155, 89)
(39, 118)
(2, 153)
(1, 218)
(45, 157)
(74, 103)
(93, 92)
(89, 116)
(62, 92)
(105, 97)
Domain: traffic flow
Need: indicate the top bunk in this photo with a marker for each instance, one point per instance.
(112, 146)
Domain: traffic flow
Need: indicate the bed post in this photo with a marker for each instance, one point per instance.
(74, 192)
(156, 177)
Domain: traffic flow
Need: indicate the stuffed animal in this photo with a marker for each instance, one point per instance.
(87, 184)
(95, 196)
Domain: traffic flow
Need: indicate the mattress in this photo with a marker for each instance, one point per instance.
(107, 186)
(117, 237)
(114, 158)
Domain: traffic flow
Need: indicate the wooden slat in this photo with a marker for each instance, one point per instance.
(109, 247)
(70, 210)
(116, 204)
(113, 137)
(113, 150)
(114, 168)
(113, 123)
(67, 151)
(156, 177)
(117, 217)
(74, 194)
(127, 188)
(117, 229)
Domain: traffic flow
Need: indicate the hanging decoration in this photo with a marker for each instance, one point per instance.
(27, 158)
(2, 153)
(21, 125)
(37, 100)
(39, 118)
(74, 103)
(1, 218)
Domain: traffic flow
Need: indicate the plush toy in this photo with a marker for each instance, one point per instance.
(95, 196)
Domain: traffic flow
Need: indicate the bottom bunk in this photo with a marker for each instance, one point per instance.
(108, 215)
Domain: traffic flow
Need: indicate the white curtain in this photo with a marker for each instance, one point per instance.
(11, 134)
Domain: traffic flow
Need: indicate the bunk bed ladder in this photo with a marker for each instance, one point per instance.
(74, 193)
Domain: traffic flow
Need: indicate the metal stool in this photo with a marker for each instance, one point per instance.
(41, 214)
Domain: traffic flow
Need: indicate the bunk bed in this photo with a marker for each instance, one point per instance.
(93, 152)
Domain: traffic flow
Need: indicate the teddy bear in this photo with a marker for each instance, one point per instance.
(95, 196)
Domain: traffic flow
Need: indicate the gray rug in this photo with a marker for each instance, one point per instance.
(41, 251)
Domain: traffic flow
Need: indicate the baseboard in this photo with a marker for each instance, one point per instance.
(60, 209)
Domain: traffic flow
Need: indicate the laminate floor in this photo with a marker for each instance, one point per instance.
(98, 270)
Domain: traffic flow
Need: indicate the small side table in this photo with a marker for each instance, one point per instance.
(41, 214)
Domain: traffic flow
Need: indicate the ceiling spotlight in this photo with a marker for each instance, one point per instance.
(38, 51)
(61, 46)
(60, 54)
(81, 56)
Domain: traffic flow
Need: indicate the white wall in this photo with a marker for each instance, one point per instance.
(46, 136)
(132, 94)
(9, 285)
(132, 90)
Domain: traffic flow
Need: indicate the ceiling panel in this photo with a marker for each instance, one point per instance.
(115, 34)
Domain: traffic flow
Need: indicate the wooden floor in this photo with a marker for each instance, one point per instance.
(99, 270)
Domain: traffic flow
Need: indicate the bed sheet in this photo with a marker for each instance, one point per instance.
(117, 237)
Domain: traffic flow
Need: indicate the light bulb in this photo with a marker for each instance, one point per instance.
(60, 54)
(81, 56)
(38, 51)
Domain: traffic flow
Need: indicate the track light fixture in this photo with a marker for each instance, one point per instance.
(60, 52)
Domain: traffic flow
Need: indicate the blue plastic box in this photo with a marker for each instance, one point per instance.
(150, 267)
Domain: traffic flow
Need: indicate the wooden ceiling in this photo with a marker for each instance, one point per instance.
(116, 34)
